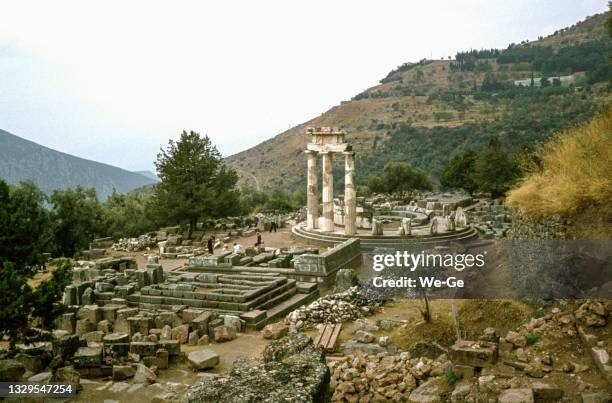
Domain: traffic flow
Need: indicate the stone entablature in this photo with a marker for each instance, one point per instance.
(327, 141)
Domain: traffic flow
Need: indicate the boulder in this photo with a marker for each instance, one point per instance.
(224, 333)
(275, 331)
(33, 363)
(200, 323)
(87, 357)
(122, 372)
(364, 337)
(428, 391)
(67, 375)
(162, 358)
(193, 338)
(190, 314)
(592, 313)
(172, 346)
(429, 349)
(95, 336)
(516, 396)
(203, 359)
(105, 326)
(144, 375)
(114, 338)
(516, 339)
(546, 392)
(180, 333)
(233, 321)
(43, 377)
(473, 353)
(143, 348)
(366, 325)
(11, 370)
(351, 346)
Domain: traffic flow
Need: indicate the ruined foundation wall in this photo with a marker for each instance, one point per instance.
(346, 255)
(550, 227)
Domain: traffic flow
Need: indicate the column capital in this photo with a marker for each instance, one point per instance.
(310, 152)
(349, 153)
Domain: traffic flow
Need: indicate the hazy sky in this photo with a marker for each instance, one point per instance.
(114, 81)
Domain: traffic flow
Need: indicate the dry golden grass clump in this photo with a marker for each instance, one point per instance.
(575, 174)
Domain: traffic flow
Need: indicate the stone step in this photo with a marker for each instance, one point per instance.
(282, 309)
(369, 242)
(278, 299)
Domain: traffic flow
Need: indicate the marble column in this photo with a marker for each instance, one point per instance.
(328, 192)
(312, 199)
(350, 196)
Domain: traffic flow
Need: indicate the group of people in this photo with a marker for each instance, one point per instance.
(237, 247)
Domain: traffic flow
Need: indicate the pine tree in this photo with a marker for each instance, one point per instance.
(195, 183)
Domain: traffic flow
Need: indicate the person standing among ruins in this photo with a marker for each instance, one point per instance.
(259, 241)
(238, 248)
(211, 244)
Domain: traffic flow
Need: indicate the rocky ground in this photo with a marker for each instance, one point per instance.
(562, 355)
(510, 352)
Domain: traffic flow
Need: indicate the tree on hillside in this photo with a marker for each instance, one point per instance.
(126, 215)
(397, 178)
(15, 298)
(25, 223)
(47, 294)
(494, 170)
(195, 183)
(75, 219)
(459, 173)
(25, 236)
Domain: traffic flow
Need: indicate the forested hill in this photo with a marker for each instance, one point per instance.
(424, 113)
(22, 160)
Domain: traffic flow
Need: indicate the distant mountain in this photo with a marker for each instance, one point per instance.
(21, 160)
(426, 112)
(148, 174)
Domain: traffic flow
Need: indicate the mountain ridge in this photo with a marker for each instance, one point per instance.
(423, 102)
(49, 169)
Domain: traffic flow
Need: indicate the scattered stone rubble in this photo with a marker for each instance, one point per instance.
(126, 345)
(253, 257)
(334, 308)
(292, 370)
(491, 219)
(511, 369)
(143, 242)
(381, 378)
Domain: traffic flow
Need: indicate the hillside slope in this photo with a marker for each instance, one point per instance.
(22, 160)
(424, 113)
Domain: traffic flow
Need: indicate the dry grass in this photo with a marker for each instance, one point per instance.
(576, 172)
(473, 317)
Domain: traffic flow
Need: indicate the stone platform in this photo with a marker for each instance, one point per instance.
(370, 242)
(262, 297)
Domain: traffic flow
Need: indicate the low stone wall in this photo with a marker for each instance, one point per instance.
(346, 255)
(550, 227)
